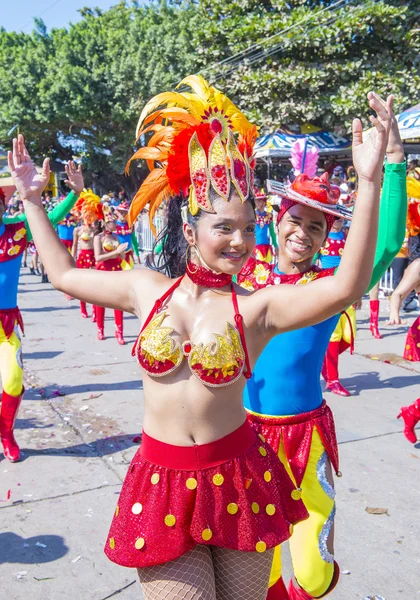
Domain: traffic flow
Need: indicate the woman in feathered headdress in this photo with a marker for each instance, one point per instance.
(90, 209)
(205, 499)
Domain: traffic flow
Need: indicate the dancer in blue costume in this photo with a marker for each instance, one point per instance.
(265, 235)
(14, 235)
(284, 399)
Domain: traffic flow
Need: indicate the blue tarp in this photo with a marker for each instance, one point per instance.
(280, 143)
(409, 123)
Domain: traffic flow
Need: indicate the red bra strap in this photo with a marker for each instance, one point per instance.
(156, 308)
(240, 325)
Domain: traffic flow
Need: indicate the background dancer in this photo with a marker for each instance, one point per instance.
(90, 208)
(109, 255)
(284, 399)
(200, 532)
(126, 235)
(344, 334)
(265, 235)
(14, 234)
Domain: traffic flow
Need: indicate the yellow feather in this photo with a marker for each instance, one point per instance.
(198, 84)
(413, 188)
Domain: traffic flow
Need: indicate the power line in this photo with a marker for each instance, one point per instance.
(268, 52)
(248, 50)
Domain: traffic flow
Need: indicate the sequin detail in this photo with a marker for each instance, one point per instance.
(321, 472)
(218, 363)
(323, 536)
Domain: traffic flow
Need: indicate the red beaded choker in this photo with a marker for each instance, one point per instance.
(205, 278)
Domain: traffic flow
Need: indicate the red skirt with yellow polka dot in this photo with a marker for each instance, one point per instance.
(85, 259)
(112, 264)
(232, 493)
(412, 342)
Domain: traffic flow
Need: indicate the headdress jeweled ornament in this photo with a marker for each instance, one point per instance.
(196, 151)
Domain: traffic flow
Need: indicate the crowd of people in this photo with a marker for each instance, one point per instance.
(239, 456)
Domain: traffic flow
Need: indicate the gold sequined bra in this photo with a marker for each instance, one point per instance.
(218, 363)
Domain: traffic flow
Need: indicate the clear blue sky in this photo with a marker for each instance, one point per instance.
(17, 15)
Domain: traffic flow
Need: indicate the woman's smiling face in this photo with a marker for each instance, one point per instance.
(226, 238)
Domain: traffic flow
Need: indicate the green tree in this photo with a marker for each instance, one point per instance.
(318, 59)
(79, 91)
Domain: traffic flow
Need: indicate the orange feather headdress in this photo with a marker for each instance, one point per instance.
(194, 150)
(90, 207)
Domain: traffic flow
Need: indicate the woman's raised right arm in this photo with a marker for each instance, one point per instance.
(118, 290)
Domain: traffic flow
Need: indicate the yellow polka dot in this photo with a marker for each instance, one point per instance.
(262, 438)
(117, 511)
(247, 483)
(270, 509)
(218, 479)
(267, 476)
(408, 347)
(111, 543)
(296, 494)
(207, 534)
(155, 478)
(291, 528)
(170, 520)
(137, 508)
(260, 547)
(255, 508)
(191, 483)
(139, 544)
(418, 327)
(418, 345)
(263, 451)
(232, 508)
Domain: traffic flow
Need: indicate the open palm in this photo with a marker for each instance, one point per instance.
(29, 183)
(368, 154)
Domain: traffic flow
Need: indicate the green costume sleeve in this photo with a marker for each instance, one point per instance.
(135, 243)
(20, 218)
(273, 235)
(57, 214)
(392, 219)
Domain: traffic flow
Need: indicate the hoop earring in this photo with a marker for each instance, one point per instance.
(188, 260)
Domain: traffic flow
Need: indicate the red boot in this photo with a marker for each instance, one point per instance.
(374, 313)
(100, 320)
(411, 416)
(93, 314)
(118, 318)
(9, 410)
(278, 591)
(83, 311)
(297, 593)
(330, 370)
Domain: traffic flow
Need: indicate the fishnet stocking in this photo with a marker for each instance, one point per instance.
(241, 575)
(190, 577)
(209, 573)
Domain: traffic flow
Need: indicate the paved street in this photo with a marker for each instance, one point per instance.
(84, 405)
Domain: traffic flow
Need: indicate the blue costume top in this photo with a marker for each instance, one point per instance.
(124, 238)
(262, 232)
(286, 377)
(290, 389)
(65, 232)
(9, 278)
